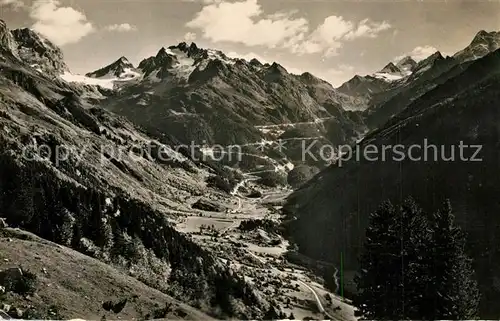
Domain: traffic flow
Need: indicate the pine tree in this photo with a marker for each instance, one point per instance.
(377, 280)
(414, 266)
(456, 295)
(415, 236)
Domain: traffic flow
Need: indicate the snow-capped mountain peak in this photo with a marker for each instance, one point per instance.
(162, 53)
(390, 68)
(390, 73)
(406, 64)
(119, 69)
(124, 60)
(112, 76)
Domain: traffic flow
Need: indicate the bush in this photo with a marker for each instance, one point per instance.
(301, 174)
(220, 183)
(273, 179)
(24, 285)
(254, 194)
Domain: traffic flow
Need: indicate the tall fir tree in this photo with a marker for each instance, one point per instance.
(456, 295)
(377, 280)
(414, 235)
(414, 266)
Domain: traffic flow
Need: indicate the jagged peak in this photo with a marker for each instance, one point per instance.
(193, 46)
(436, 55)
(36, 50)
(429, 61)
(276, 67)
(406, 63)
(483, 34)
(356, 79)
(116, 68)
(216, 64)
(390, 68)
(309, 78)
(191, 50)
(162, 52)
(183, 46)
(483, 43)
(29, 34)
(255, 62)
(240, 62)
(29, 38)
(405, 59)
(307, 75)
(123, 59)
(485, 37)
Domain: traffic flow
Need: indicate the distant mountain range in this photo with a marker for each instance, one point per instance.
(192, 93)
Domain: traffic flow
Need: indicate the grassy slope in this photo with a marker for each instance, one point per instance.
(78, 284)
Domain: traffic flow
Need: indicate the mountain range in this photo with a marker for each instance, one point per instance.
(103, 201)
(190, 93)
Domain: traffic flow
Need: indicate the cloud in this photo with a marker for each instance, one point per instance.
(123, 27)
(367, 29)
(326, 38)
(418, 53)
(14, 4)
(239, 22)
(190, 36)
(245, 22)
(61, 25)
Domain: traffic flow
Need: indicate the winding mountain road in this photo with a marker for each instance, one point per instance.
(318, 300)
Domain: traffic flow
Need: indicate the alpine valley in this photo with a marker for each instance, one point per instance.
(178, 188)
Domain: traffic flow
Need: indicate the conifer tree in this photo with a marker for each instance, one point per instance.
(414, 235)
(377, 280)
(456, 295)
(415, 266)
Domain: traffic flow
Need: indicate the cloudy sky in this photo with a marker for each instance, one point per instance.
(332, 39)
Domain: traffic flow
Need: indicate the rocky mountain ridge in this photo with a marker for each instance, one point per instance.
(33, 49)
(483, 43)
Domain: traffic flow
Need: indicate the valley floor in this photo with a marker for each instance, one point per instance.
(259, 256)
